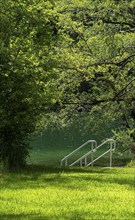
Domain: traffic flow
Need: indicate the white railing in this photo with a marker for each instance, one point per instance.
(112, 148)
(94, 148)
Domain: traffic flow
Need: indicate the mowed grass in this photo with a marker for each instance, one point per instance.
(49, 149)
(68, 193)
(52, 157)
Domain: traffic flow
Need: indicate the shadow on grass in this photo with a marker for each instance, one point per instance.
(71, 215)
(76, 169)
(23, 217)
(64, 177)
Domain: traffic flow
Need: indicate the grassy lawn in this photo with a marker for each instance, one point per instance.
(50, 148)
(63, 193)
(52, 156)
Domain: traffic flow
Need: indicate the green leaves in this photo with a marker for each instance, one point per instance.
(63, 53)
(25, 71)
(96, 58)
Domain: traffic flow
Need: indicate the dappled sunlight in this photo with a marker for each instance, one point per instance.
(72, 193)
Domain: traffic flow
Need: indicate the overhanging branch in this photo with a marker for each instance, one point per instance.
(96, 102)
(119, 93)
(132, 25)
(120, 64)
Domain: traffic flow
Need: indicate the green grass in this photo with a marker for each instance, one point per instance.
(63, 193)
(50, 149)
(52, 156)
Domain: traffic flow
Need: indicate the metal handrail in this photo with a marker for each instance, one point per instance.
(98, 158)
(66, 157)
(112, 148)
(108, 140)
(83, 157)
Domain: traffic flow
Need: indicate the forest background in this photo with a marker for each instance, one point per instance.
(64, 62)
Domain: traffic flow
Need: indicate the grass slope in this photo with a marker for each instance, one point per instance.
(63, 193)
(50, 149)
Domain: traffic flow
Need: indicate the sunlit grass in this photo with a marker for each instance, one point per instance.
(75, 193)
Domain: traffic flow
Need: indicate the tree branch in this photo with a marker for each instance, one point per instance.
(132, 25)
(93, 18)
(96, 102)
(119, 93)
(121, 64)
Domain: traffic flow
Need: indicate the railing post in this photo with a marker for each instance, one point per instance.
(92, 154)
(111, 154)
(66, 163)
(81, 163)
(85, 161)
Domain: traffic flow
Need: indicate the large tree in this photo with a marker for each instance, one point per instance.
(26, 35)
(97, 59)
(76, 55)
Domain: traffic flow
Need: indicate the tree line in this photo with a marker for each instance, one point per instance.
(64, 56)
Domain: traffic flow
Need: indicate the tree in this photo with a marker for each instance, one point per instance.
(27, 35)
(75, 55)
(96, 59)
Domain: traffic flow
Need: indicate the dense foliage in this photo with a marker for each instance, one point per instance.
(98, 61)
(75, 56)
(26, 40)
